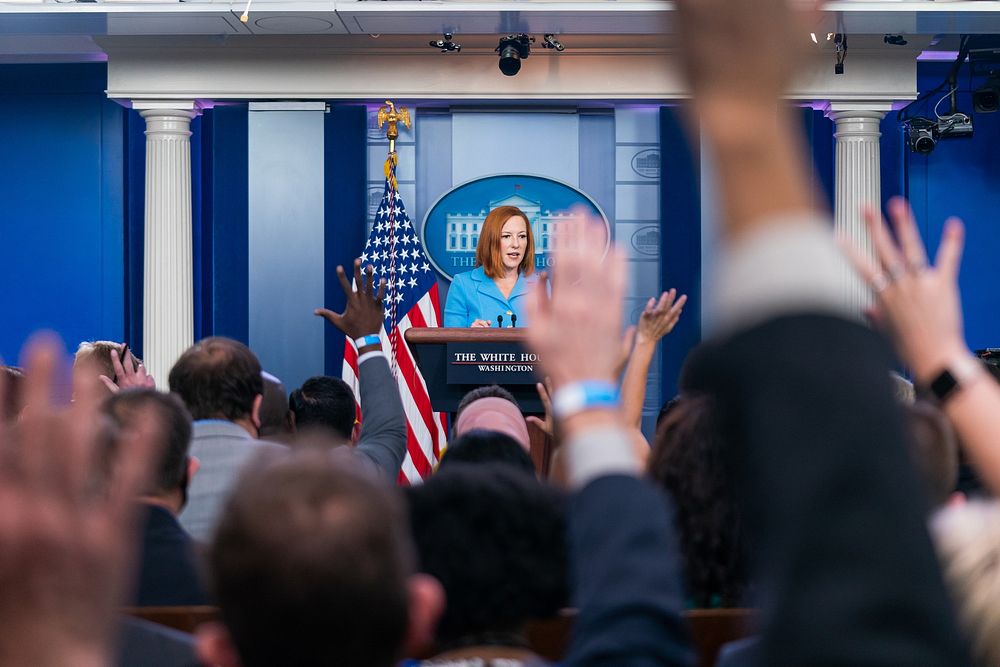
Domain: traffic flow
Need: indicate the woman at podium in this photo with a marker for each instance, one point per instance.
(494, 293)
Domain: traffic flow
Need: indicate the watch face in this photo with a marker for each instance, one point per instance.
(943, 385)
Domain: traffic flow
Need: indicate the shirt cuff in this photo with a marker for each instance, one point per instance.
(792, 265)
(599, 452)
(370, 355)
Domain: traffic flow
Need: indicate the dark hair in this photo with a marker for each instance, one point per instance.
(666, 409)
(934, 450)
(217, 378)
(326, 402)
(274, 408)
(496, 540)
(174, 429)
(687, 459)
(482, 446)
(13, 378)
(486, 391)
(310, 565)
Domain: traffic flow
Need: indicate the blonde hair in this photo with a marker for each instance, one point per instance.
(98, 352)
(967, 538)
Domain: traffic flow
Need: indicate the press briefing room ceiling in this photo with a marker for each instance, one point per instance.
(40, 30)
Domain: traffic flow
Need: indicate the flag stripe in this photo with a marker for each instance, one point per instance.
(395, 254)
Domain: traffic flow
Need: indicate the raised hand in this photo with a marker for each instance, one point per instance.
(660, 316)
(545, 394)
(917, 303)
(66, 539)
(742, 48)
(574, 331)
(625, 351)
(364, 312)
(128, 375)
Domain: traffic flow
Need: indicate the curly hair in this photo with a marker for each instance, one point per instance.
(496, 540)
(687, 460)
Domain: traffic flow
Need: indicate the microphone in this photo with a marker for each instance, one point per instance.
(513, 320)
(245, 16)
(500, 321)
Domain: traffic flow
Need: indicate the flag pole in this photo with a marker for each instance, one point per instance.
(390, 115)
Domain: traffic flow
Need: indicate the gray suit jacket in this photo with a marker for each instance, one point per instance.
(382, 442)
(223, 448)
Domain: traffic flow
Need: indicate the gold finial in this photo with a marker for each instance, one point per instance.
(389, 114)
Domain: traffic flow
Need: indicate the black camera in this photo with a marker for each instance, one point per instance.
(922, 134)
(513, 49)
(986, 98)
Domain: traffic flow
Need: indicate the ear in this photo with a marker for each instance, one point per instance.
(290, 421)
(214, 646)
(426, 606)
(194, 465)
(355, 433)
(258, 400)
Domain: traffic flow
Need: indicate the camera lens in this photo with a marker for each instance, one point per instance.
(986, 100)
(924, 143)
(510, 60)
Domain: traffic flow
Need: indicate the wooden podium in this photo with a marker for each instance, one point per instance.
(455, 361)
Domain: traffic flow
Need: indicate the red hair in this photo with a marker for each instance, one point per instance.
(488, 249)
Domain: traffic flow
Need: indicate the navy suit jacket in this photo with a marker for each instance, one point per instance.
(169, 573)
(625, 578)
(474, 296)
(832, 506)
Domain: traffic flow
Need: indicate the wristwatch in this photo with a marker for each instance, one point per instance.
(950, 380)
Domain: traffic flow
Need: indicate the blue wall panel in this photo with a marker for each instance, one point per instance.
(681, 234)
(224, 254)
(61, 224)
(345, 209)
(962, 178)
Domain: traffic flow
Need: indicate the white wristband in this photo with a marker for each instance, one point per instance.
(370, 339)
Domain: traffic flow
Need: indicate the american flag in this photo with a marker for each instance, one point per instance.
(396, 254)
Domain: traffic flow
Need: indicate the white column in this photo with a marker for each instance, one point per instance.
(858, 181)
(168, 299)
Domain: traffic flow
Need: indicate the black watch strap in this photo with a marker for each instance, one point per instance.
(944, 385)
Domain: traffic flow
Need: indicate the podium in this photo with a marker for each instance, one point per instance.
(455, 361)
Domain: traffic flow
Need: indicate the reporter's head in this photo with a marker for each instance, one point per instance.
(219, 378)
(312, 564)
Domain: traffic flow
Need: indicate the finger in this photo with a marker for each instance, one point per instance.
(330, 316)
(40, 371)
(134, 458)
(667, 298)
(650, 305)
(543, 393)
(110, 384)
(675, 310)
(906, 231)
(862, 264)
(885, 247)
(370, 279)
(117, 365)
(359, 283)
(949, 254)
(344, 285)
(381, 290)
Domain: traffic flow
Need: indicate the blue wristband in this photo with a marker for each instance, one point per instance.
(579, 396)
(370, 339)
